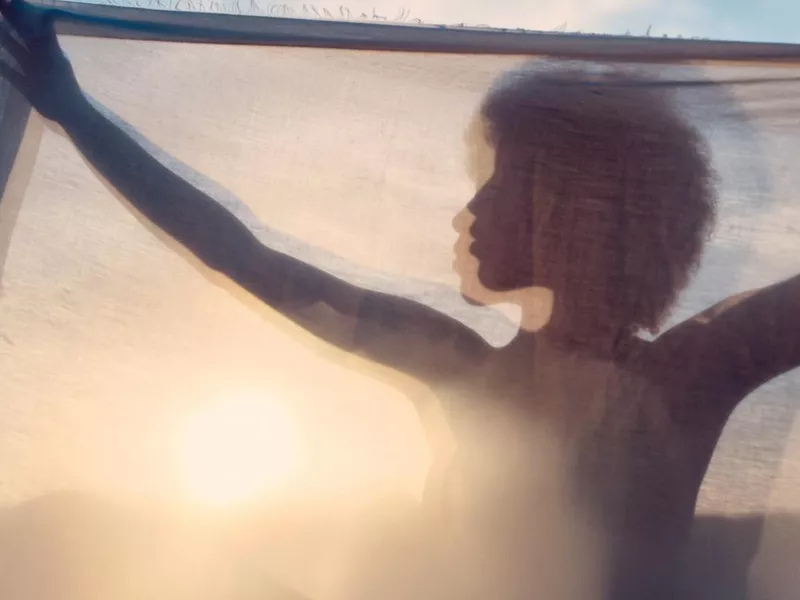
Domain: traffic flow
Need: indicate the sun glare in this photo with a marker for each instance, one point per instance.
(237, 450)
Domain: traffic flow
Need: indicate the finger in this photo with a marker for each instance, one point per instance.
(10, 10)
(14, 77)
(17, 51)
(29, 21)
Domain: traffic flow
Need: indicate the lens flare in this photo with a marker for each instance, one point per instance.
(237, 450)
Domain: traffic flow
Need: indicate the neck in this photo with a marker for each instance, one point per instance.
(537, 308)
(546, 318)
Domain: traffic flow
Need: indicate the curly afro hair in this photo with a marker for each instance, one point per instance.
(623, 191)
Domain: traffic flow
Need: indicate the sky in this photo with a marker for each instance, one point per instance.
(741, 20)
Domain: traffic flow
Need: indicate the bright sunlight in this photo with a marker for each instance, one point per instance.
(236, 450)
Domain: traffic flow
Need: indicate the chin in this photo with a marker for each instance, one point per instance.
(483, 284)
(471, 300)
(472, 291)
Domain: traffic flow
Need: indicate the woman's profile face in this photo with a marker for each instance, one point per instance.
(494, 250)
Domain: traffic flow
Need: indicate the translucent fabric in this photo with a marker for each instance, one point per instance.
(139, 370)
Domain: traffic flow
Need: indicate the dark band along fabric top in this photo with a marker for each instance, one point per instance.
(454, 320)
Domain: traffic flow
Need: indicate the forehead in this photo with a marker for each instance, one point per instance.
(486, 157)
(514, 156)
(481, 154)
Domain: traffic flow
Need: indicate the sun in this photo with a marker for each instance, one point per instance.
(236, 450)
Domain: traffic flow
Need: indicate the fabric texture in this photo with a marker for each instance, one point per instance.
(113, 335)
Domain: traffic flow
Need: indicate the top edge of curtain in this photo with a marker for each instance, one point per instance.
(163, 25)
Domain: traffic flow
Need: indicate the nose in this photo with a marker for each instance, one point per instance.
(463, 220)
(479, 204)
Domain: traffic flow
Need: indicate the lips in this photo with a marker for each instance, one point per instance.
(476, 246)
(465, 245)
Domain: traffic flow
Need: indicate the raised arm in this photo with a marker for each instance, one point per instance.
(222, 233)
(742, 342)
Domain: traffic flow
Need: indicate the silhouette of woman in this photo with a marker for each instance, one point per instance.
(601, 195)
